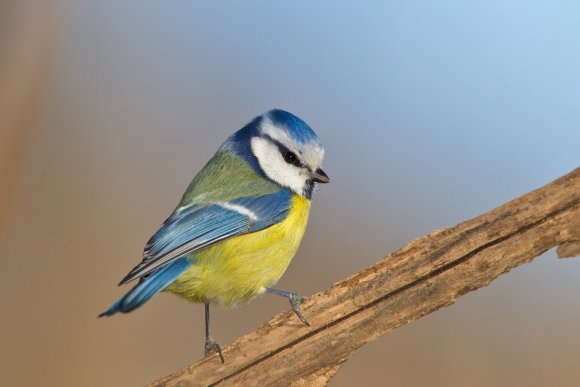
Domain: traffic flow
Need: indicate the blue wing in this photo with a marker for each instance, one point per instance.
(195, 227)
(144, 290)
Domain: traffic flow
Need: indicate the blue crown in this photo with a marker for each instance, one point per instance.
(299, 129)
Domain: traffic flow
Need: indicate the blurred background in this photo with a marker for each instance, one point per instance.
(431, 113)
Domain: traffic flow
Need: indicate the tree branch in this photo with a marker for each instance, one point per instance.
(427, 274)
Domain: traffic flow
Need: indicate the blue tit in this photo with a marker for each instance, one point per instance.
(238, 224)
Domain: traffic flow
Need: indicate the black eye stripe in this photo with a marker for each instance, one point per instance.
(289, 156)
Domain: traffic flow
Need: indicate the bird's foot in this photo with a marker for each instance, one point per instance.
(211, 345)
(295, 301)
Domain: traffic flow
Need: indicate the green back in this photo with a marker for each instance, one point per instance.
(225, 177)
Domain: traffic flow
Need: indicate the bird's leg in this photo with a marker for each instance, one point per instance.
(210, 343)
(295, 301)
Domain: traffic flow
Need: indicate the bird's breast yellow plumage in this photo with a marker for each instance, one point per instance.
(242, 267)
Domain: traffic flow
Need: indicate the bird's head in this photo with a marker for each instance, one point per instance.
(284, 149)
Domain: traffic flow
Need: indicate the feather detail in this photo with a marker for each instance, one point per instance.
(143, 291)
(199, 227)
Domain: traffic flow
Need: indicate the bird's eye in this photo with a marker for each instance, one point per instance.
(291, 158)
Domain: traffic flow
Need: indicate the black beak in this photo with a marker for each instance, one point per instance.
(319, 176)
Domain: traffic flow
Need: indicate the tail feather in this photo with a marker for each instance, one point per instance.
(148, 288)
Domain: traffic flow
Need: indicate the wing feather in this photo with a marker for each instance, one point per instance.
(195, 227)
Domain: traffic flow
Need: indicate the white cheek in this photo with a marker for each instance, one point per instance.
(275, 167)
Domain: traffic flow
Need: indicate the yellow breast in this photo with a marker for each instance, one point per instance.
(240, 268)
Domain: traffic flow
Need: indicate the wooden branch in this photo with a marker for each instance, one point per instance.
(427, 274)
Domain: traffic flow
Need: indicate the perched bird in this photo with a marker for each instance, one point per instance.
(238, 224)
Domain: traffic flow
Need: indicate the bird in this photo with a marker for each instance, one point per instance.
(239, 223)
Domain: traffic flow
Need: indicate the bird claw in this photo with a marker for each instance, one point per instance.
(211, 345)
(295, 301)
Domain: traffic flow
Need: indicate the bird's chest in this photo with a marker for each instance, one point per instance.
(240, 268)
(270, 248)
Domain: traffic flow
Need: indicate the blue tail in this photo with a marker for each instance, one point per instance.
(148, 288)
